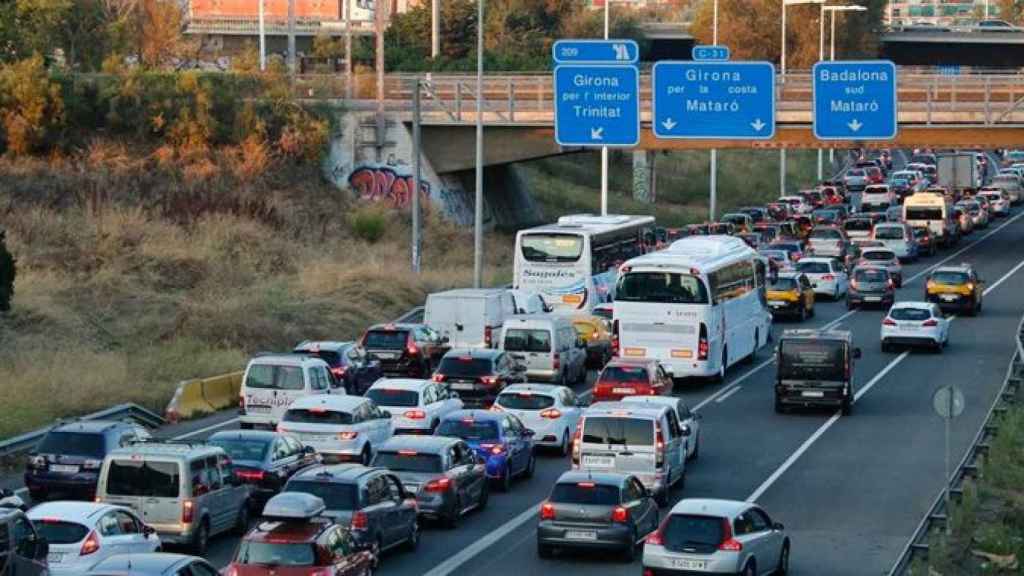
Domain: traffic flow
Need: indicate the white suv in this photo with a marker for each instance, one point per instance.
(417, 406)
(550, 410)
(340, 428)
(827, 275)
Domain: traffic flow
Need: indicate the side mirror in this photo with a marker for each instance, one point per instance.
(856, 353)
(445, 340)
(686, 431)
(529, 433)
(778, 526)
(148, 530)
(308, 450)
(580, 403)
(385, 414)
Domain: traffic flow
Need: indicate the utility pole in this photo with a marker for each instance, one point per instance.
(478, 205)
(348, 48)
(263, 37)
(379, 23)
(604, 149)
(291, 36)
(713, 184)
(417, 151)
(435, 28)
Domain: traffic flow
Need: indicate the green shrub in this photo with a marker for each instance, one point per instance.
(369, 223)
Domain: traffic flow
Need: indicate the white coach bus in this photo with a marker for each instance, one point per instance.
(698, 307)
(573, 263)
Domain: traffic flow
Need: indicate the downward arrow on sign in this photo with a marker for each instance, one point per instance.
(669, 123)
(854, 125)
(597, 133)
(757, 124)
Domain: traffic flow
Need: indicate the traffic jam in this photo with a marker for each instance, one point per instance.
(347, 452)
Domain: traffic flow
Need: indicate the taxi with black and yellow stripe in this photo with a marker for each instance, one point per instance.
(955, 288)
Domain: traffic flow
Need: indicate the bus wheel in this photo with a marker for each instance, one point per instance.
(720, 377)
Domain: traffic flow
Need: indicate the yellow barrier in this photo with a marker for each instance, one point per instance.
(205, 395)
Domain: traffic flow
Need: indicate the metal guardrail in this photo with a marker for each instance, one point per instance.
(135, 412)
(938, 516)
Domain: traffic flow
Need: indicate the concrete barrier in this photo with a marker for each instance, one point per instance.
(204, 395)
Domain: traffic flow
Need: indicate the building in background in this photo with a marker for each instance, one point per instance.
(939, 12)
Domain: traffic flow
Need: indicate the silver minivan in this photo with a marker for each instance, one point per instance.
(646, 441)
(897, 237)
(548, 346)
(188, 493)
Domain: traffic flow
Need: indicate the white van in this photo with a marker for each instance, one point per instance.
(469, 317)
(272, 382)
(878, 198)
(646, 441)
(548, 346)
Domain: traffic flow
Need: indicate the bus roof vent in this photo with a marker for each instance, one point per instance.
(583, 219)
(708, 245)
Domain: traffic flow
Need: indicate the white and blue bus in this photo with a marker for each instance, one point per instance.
(698, 307)
(573, 263)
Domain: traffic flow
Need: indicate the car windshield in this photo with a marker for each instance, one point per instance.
(525, 401)
(814, 267)
(878, 255)
(527, 340)
(408, 461)
(624, 374)
(336, 495)
(317, 416)
(918, 314)
(72, 444)
(465, 366)
(774, 254)
(552, 247)
(889, 232)
(858, 224)
(661, 287)
(691, 531)
(608, 430)
(60, 532)
(250, 450)
(585, 493)
(468, 429)
(812, 360)
(873, 275)
(276, 554)
(143, 478)
(394, 397)
(268, 377)
(782, 284)
(950, 278)
(386, 339)
(825, 234)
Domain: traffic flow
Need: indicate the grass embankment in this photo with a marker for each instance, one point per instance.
(572, 183)
(134, 275)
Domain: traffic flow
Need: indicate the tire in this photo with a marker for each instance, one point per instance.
(750, 569)
(364, 457)
(803, 313)
(413, 541)
(531, 466)
(485, 495)
(835, 293)
(505, 483)
(201, 539)
(779, 407)
(720, 377)
(847, 407)
(696, 449)
(376, 550)
(753, 353)
(661, 498)
(545, 550)
(849, 304)
(242, 523)
(563, 450)
(783, 568)
(451, 521)
(885, 347)
(812, 312)
(629, 552)
(937, 348)
(38, 496)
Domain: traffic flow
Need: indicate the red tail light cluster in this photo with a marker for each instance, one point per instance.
(551, 413)
(547, 511)
(488, 336)
(489, 380)
(251, 475)
(91, 544)
(659, 448)
(188, 510)
(932, 322)
(556, 361)
(888, 322)
(360, 521)
(729, 544)
(438, 377)
(576, 444)
(620, 515)
(702, 343)
(415, 414)
(438, 485)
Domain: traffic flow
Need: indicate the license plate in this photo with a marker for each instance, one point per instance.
(812, 394)
(258, 409)
(64, 469)
(687, 564)
(461, 386)
(318, 438)
(55, 558)
(580, 535)
(948, 297)
(623, 391)
(872, 298)
(776, 304)
(599, 461)
(386, 355)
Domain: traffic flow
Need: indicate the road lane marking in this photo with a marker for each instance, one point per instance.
(469, 552)
(724, 397)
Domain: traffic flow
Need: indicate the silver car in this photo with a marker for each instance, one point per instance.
(884, 258)
(709, 536)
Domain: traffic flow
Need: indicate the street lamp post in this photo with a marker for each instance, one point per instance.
(604, 149)
(832, 47)
(713, 184)
(263, 39)
(478, 212)
(782, 151)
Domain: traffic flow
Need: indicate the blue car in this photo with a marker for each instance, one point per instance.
(505, 445)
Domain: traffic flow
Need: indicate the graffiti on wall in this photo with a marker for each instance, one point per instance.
(384, 184)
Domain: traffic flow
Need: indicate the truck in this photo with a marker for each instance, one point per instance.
(958, 171)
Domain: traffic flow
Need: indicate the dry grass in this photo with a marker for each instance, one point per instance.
(132, 277)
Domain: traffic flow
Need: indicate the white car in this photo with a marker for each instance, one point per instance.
(80, 534)
(416, 406)
(915, 324)
(827, 275)
(797, 204)
(688, 419)
(550, 410)
(997, 200)
(340, 428)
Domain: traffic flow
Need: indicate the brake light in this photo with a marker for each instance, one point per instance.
(187, 511)
(654, 539)
(853, 284)
(251, 475)
(348, 435)
(889, 283)
(557, 364)
(702, 343)
(438, 377)
(552, 413)
(659, 445)
(970, 286)
(888, 322)
(488, 335)
(620, 515)
(498, 449)
(489, 380)
(547, 511)
(438, 485)
(241, 403)
(360, 521)
(729, 544)
(932, 322)
(415, 414)
(91, 544)
(339, 371)
(576, 445)
(828, 277)
(411, 348)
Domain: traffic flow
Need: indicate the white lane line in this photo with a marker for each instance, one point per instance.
(205, 430)
(726, 389)
(726, 396)
(835, 417)
(469, 552)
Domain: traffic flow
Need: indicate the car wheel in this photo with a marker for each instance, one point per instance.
(545, 550)
(413, 541)
(812, 312)
(375, 551)
(629, 552)
(485, 495)
(661, 498)
(242, 525)
(531, 466)
(720, 377)
(505, 483)
(364, 458)
(245, 426)
(835, 293)
(750, 569)
(779, 407)
(38, 496)
(885, 346)
(937, 347)
(201, 539)
(753, 353)
(563, 449)
(696, 448)
(783, 568)
(451, 521)
(847, 406)
(803, 313)
(849, 304)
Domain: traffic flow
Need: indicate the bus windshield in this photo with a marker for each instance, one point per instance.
(661, 287)
(552, 247)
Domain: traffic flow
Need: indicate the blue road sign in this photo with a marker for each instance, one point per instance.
(597, 105)
(710, 53)
(855, 100)
(714, 100)
(595, 52)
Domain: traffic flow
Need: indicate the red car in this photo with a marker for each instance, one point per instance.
(631, 377)
(293, 539)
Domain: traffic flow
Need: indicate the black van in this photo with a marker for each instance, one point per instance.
(815, 368)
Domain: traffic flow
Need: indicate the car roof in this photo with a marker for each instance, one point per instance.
(825, 259)
(643, 362)
(340, 473)
(71, 511)
(954, 268)
(710, 507)
(395, 326)
(315, 345)
(475, 414)
(814, 334)
(431, 444)
(261, 435)
(285, 359)
(151, 563)
(624, 409)
(413, 384)
(608, 478)
(669, 401)
(866, 249)
(167, 449)
(789, 274)
(329, 401)
(295, 532)
(911, 304)
(535, 388)
(91, 426)
(489, 353)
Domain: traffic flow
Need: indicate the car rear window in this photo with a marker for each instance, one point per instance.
(782, 284)
(855, 173)
(468, 429)
(826, 234)
(814, 267)
(336, 495)
(394, 397)
(812, 359)
(878, 255)
(691, 531)
(858, 224)
(585, 493)
(624, 374)
(331, 357)
(250, 450)
(870, 275)
(910, 313)
(61, 532)
(889, 232)
(270, 377)
(143, 478)
(951, 278)
(620, 430)
(525, 401)
(661, 287)
(524, 340)
(276, 554)
(73, 444)
(408, 461)
(465, 366)
(317, 416)
(386, 339)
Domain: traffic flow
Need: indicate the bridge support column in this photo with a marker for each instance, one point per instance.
(644, 181)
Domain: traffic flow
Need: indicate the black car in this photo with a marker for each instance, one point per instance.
(67, 460)
(870, 285)
(447, 476)
(405, 349)
(596, 511)
(479, 375)
(264, 459)
(349, 364)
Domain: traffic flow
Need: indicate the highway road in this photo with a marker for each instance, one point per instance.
(850, 490)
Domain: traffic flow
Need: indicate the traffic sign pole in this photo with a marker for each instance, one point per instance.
(604, 149)
(713, 184)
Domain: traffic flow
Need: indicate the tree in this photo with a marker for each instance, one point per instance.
(159, 33)
(31, 106)
(325, 46)
(76, 27)
(1012, 11)
(8, 271)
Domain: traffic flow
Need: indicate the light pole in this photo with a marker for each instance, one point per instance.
(713, 184)
(832, 53)
(435, 28)
(263, 39)
(478, 215)
(604, 149)
(782, 151)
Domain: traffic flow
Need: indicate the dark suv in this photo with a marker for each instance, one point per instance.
(67, 460)
(23, 551)
(405, 349)
(870, 285)
(349, 364)
(479, 375)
